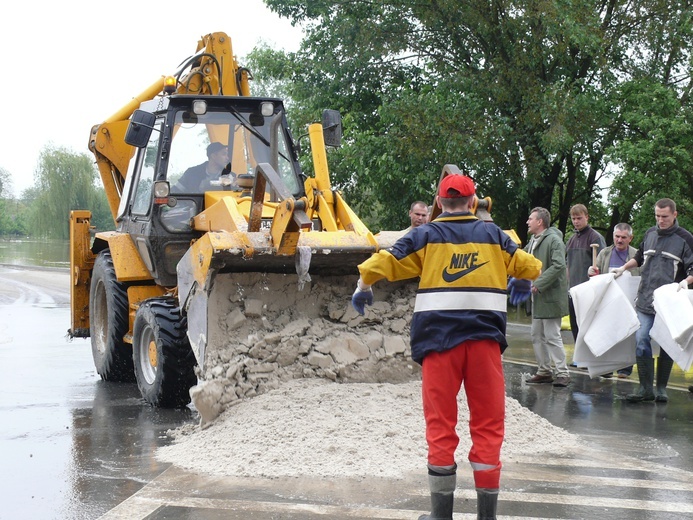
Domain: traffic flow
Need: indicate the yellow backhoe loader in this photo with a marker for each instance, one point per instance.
(144, 292)
(141, 292)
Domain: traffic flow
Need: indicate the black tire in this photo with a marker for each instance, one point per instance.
(109, 322)
(163, 359)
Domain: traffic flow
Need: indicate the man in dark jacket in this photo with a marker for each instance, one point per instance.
(579, 254)
(198, 179)
(549, 299)
(665, 256)
(457, 334)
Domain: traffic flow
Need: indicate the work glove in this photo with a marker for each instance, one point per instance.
(592, 271)
(520, 290)
(683, 285)
(361, 298)
(618, 272)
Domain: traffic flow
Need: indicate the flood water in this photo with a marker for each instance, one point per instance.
(38, 252)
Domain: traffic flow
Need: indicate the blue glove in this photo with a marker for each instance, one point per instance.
(362, 298)
(520, 290)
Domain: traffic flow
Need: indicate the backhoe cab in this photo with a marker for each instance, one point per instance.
(157, 210)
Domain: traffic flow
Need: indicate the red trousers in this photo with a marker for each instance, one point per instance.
(477, 364)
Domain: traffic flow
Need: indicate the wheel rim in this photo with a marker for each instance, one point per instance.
(148, 355)
(152, 354)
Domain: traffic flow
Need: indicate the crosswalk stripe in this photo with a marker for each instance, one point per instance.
(589, 501)
(588, 480)
(560, 476)
(146, 505)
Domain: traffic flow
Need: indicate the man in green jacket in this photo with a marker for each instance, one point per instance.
(549, 300)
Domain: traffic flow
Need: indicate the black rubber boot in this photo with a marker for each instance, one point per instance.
(442, 496)
(664, 365)
(646, 376)
(486, 503)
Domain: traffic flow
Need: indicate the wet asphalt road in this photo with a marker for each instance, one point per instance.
(73, 447)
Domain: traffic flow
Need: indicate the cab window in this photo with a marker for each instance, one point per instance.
(143, 190)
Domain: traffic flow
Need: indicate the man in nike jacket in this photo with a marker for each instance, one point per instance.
(457, 333)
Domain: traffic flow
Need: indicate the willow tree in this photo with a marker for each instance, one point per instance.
(6, 202)
(63, 181)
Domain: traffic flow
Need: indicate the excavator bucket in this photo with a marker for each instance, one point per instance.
(242, 245)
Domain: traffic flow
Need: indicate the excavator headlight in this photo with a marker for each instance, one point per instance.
(266, 108)
(199, 107)
(162, 190)
(169, 85)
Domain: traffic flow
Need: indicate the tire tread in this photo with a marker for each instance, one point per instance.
(176, 363)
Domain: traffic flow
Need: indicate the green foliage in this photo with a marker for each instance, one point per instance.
(276, 67)
(101, 217)
(63, 181)
(5, 219)
(655, 156)
(13, 218)
(537, 100)
(12, 210)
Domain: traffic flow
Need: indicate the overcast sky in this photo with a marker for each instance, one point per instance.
(71, 64)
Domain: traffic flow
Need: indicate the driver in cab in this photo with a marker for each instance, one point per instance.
(198, 179)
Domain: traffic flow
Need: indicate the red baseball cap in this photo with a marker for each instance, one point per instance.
(456, 186)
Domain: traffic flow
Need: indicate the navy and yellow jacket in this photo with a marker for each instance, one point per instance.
(463, 265)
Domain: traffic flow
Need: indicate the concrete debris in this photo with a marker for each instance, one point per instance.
(266, 332)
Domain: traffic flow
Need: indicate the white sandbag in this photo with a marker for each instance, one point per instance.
(604, 313)
(586, 297)
(687, 343)
(661, 337)
(619, 356)
(676, 310)
(615, 320)
(629, 285)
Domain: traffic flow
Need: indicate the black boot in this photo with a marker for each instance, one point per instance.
(486, 502)
(646, 376)
(442, 496)
(664, 365)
